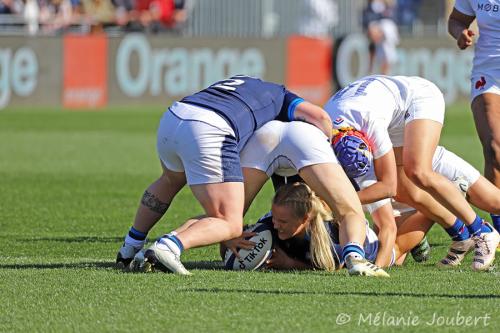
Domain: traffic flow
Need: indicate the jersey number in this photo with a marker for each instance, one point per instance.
(230, 84)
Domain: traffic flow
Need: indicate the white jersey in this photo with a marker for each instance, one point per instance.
(487, 48)
(444, 162)
(380, 106)
(285, 148)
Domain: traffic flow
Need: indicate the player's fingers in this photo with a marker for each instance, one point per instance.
(470, 33)
(247, 245)
(248, 234)
(234, 249)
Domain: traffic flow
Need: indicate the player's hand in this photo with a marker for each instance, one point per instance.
(240, 243)
(280, 260)
(465, 39)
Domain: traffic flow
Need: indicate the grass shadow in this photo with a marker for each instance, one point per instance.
(338, 293)
(77, 265)
(79, 239)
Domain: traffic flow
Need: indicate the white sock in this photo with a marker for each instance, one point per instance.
(165, 243)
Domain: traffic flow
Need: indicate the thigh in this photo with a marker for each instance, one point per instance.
(221, 200)
(208, 154)
(420, 141)
(254, 180)
(486, 111)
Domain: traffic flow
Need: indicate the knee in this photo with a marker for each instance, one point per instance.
(420, 176)
(235, 229)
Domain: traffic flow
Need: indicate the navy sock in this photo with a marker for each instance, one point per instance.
(352, 248)
(475, 228)
(458, 232)
(496, 221)
(136, 234)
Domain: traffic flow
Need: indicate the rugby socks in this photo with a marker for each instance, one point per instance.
(476, 228)
(135, 238)
(170, 241)
(458, 232)
(496, 221)
(353, 249)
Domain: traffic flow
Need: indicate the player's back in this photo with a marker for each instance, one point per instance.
(245, 102)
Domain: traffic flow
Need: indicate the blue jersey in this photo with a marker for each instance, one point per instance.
(246, 103)
(299, 248)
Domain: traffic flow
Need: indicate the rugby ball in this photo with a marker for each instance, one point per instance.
(254, 258)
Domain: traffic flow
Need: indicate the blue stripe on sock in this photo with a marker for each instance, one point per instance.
(136, 234)
(475, 227)
(176, 240)
(496, 221)
(458, 232)
(352, 247)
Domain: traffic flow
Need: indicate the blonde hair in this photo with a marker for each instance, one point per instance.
(303, 201)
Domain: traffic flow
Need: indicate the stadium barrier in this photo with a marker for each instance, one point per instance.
(95, 71)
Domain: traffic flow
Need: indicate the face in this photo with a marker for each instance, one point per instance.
(287, 224)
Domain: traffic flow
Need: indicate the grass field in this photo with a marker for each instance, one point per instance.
(69, 186)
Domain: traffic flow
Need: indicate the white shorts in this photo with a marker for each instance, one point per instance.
(285, 148)
(200, 143)
(454, 167)
(482, 83)
(427, 103)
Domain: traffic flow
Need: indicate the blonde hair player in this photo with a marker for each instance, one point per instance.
(288, 149)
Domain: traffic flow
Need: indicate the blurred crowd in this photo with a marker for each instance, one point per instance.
(57, 16)
(382, 20)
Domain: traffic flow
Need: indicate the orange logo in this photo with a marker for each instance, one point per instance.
(85, 71)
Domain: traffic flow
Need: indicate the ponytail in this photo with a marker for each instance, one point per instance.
(303, 201)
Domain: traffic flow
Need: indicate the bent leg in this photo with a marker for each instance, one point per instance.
(485, 196)
(486, 110)
(157, 198)
(420, 142)
(254, 180)
(410, 232)
(223, 205)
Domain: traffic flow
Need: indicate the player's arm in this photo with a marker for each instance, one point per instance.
(314, 115)
(383, 218)
(458, 28)
(281, 261)
(386, 185)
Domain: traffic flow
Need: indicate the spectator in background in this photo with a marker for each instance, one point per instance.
(31, 15)
(10, 6)
(320, 17)
(407, 12)
(55, 15)
(382, 34)
(98, 14)
(157, 15)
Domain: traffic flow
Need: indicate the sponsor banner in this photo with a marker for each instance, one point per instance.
(85, 71)
(148, 70)
(30, 71)
(434, 58)
(309, 68)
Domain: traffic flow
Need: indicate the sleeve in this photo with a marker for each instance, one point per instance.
(465, 7)
(290, 102)
(379, 138)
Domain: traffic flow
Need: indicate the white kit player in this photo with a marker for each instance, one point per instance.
(402, 118)
(298, 148)
(485, 78)
(478, 190)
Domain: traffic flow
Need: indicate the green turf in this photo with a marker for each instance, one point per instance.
(69, 186)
